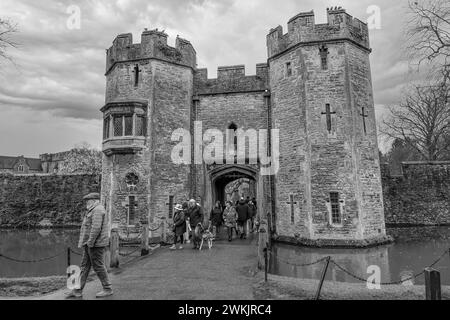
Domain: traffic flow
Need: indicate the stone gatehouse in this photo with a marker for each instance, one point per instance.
(315, 89)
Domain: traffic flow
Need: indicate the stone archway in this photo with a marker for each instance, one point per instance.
(222, 175)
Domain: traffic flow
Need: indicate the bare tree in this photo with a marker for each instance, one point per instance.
(422, 121)
(7, 30)
(429, 34)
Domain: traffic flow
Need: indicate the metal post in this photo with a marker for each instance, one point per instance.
(164, 232)
(68, 262)
(432, 284)
(269, 230)
(114, 247)
(266, 263)
(322, 279)
(145, 250)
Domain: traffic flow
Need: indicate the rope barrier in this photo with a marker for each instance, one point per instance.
(130, 253)
(153, 230)
(356, 277)
(75, 252)
(304, 264)
(31, 261)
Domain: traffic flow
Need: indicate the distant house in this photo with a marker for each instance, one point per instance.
(20, 165)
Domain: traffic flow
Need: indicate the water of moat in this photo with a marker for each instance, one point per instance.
(414, 249)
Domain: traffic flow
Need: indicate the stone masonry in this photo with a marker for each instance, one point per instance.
(315, 88)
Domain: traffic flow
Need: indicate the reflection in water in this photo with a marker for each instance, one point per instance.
(414, 249)
(32, 245)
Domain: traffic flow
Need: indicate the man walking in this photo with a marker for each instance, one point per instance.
(243, 215)
(94, 240)
(195, 216)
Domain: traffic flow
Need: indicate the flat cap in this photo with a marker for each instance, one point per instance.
(92, 196)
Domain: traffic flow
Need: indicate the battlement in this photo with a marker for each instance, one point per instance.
(232, 79)
(153, 45)
(303, 29)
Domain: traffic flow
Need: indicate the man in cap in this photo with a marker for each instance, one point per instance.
(94, 239)
(195, 217)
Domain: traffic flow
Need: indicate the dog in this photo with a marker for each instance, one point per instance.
(198, 234)
(204, 236)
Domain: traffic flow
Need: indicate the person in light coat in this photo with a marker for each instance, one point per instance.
(94, 240)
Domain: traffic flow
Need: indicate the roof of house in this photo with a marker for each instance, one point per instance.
(8, 163)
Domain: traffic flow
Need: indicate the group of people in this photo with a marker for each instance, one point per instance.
(239, 217)
(94, 234)
(234, 217)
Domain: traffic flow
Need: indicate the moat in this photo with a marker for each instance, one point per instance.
(414, 249)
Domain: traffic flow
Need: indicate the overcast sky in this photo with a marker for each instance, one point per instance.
(50, 98)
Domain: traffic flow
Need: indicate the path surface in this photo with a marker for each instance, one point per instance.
(224, 272)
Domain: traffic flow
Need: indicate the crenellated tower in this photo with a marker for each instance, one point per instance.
(149, 89)
(328, 189)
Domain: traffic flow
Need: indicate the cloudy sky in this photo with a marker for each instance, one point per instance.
(50, 98)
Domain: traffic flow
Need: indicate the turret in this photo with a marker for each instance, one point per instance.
(153, 45)
(302, 29)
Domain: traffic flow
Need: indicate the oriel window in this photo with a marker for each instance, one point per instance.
(106, 127)
(118, 126)
(123, 125)
(141, 126)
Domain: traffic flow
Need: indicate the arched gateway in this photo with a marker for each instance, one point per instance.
(221, 176)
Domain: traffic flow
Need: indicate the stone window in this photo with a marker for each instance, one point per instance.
(131, 211)
(323, 52)
(288, 69)
(336, 215)
(232, 148)
(118, 126)
(123, 125)
(132, 181)
(106, 127)
(128, 125)
(141, 126)
(136, 72)
(171, 206)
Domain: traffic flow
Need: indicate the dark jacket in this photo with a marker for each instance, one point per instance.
(179, 221)
(242, 211)
(216, 216)
(195, 215)
(251, 210)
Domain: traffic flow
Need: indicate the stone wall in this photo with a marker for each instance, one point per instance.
(34, 198)
(233, 98)
(420, 196)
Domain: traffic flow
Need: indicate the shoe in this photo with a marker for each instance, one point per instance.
(74, 294)
(180, 248)
(104, 294)
(173, 247)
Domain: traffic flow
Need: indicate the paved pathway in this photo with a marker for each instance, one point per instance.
(224, 272)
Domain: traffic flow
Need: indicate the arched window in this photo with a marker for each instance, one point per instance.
(233, 138)
(323, 52)
(21, 168)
